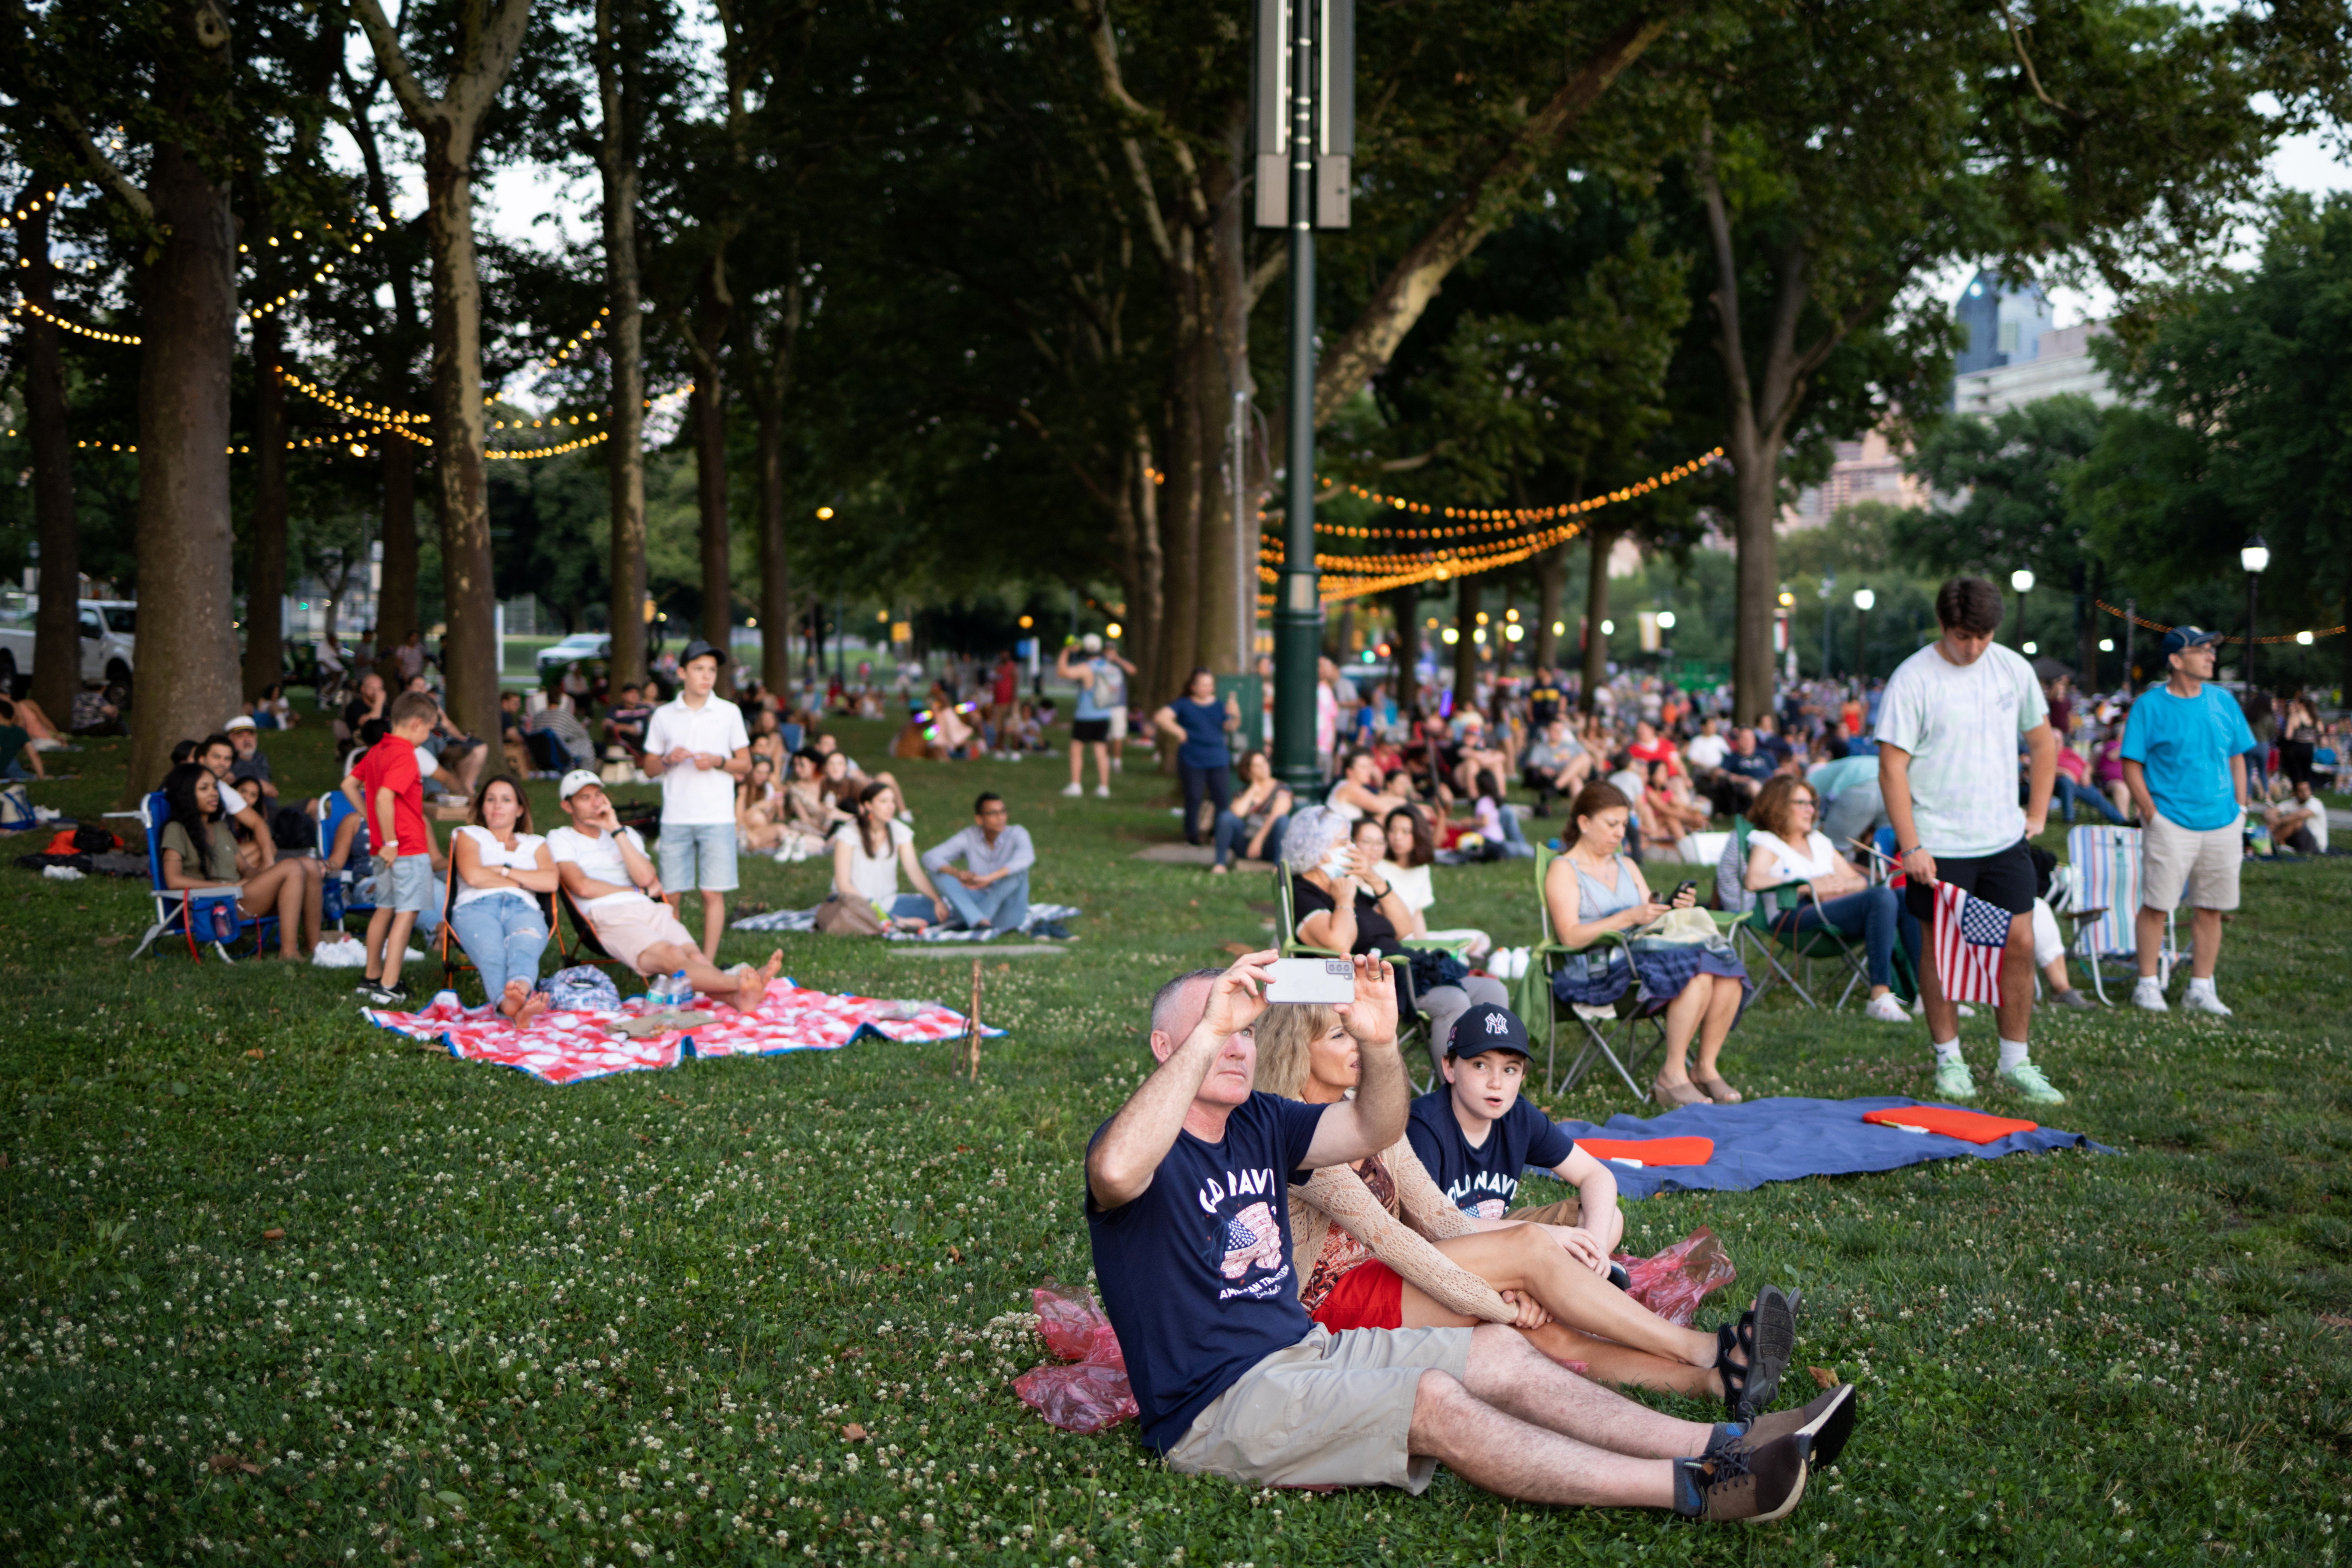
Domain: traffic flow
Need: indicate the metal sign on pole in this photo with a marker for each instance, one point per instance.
(1304, 98)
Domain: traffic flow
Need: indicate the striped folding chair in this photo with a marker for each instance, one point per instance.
(2102, 902)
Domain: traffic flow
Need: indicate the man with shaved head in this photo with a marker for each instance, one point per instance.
(1188, 1207)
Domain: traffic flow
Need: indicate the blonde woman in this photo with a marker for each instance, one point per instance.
(1376, 1246)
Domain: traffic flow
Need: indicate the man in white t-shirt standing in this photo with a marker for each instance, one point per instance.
(697, 745)
(1947, 733)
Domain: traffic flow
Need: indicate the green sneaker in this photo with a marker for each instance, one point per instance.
(1954, 1081)
(2027, 1080)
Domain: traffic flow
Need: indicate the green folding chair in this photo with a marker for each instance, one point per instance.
(1608, 1031)
(1821, 942)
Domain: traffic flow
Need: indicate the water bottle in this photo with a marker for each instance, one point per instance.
(678, 992)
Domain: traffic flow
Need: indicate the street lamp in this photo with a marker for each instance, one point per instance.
(2023, 581)
(1862, 601)
(2255, 557)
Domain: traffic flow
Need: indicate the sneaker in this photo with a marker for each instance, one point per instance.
(1743, 1485)
(1888, 1010)
(1828, 1421)
(2031, 1086)
(1954, 1081)
(2207, 1000)
(1920, 1009)
(387, 996)
(2074, 999)
(1102, 792)
(366, 987)
(1074, 790)
(2148, 995)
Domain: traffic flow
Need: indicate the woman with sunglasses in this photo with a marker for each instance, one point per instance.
(1787, 846)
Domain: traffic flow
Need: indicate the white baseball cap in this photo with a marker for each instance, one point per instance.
(1091, 642)
(574, 781)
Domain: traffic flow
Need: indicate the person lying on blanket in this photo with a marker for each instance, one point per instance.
(604, 869)
(1378, 1245)
(1188, 1211)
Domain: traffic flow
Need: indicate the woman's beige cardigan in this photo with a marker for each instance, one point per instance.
(1336, 1196)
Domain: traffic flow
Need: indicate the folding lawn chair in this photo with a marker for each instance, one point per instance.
(1764, 907)
(1624, 1019)
(454, 961)
(581, 946)
(181, 911)
(358, 895)
(2102, 900)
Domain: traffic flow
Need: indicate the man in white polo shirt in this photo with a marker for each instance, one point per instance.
(697, 745)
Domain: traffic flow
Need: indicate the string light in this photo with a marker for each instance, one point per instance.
(578, 338)
(572, 445)
(2302, 636)
(396, 420)
(1494, 520)
(23, 305)
(35, 205)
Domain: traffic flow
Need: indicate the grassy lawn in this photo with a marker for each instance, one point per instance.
(278, 1286)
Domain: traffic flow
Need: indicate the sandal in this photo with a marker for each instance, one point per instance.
(1675, 1096)
(1766, 1335)
(1717, 1089)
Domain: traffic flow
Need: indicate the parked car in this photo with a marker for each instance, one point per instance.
(108, 642)
(577, 649)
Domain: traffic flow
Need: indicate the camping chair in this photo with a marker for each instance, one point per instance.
(176, 909)
(359, 897)
(581, 946)
(1609, 1030)
(454, 961)
(2102, 902)
(1768, 905)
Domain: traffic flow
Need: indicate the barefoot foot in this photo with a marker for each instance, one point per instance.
(511, 1000)
(533, 1005)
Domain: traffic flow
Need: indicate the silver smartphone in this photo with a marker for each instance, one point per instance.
(1326, 980)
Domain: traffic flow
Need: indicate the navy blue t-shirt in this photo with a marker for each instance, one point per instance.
(1482, 1181)
(1205, 733)
(1195, 1273)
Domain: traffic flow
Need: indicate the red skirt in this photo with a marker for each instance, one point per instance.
(1369, 1296)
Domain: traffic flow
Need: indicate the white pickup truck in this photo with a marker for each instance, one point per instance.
(109, 637)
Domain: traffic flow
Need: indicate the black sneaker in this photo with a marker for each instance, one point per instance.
(1827, 1422)
(366, 987)
(387, 996)
(1743, 1485)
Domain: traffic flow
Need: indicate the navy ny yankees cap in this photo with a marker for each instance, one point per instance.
(1486, 1027)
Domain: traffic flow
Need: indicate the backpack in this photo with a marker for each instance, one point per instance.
(584, 988)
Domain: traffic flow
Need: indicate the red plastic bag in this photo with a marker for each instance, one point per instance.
(1094, 1393)
(1677, 1280)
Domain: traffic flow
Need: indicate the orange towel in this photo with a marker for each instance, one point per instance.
(1650, 1151)
(1969, 1126)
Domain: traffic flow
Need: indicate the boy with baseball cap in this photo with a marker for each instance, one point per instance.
(2185, 765)
(696, 744)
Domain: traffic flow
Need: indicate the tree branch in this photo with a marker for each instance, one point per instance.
(107, 171)
(1725, 297)
(1094, 16)
(2033, 78)
(384, 39)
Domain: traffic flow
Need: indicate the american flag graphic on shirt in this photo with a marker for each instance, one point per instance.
(1969, 936)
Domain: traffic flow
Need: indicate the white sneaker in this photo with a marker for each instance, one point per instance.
(1075, 790)
(1888, 1010)
(2148, 997)
(1919, 1008)
(2205, 1001)
(1102, 792)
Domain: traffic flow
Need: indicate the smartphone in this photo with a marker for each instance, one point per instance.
(1686, 887)
(1324, 980)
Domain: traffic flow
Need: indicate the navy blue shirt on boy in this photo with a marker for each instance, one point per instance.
(1482, 1181)
(1195, 1273)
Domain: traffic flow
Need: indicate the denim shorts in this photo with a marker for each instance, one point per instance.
(697, 855)
(405, 886)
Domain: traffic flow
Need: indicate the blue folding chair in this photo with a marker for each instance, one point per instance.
(792, 735)
(181, 912)
(358, 898)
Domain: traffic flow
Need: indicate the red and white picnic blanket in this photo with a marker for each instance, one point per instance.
(568, 1047)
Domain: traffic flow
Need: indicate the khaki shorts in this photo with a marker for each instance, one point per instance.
(628, 930)
(1333, 1410)
(2202, 862)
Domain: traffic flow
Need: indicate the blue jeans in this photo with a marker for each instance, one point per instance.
(1876, 915)
(1234, 836)
(504, 934)
(1003, 904)
(914, 907)
(2067, 791)
(1216, 784)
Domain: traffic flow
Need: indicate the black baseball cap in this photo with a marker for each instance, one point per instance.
(697, 648)
(1486, 1027)
(2180, 639)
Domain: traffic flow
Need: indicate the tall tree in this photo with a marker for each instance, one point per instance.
(480, 54)
(56, 636)
(621, 55)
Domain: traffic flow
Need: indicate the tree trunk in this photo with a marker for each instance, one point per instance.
(771, 381)
(1179, 503)
(395, 599)
(1228, 581)
(56, 629)
(265, 544)
(1551, 582)
(1404, 651)
(1466, 650)
(1599, 541)
(1757, 487)
(469, 598)
(187, 681)
(620, 131)
(710, 499)
(1151, 566)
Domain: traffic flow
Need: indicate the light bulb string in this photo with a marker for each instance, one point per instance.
(2139, 620)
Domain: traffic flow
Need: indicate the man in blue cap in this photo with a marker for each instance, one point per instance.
(2185, 765)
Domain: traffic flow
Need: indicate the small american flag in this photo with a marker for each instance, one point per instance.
(1969, 936)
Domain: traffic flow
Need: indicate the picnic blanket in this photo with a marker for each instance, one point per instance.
(1785, 1139)
(571, 1047)
(805, 920)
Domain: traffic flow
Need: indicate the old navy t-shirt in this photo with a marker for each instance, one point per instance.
(1482, 1182)
(1195, 1273)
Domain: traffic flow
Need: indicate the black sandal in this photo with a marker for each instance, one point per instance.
(1766, 1335)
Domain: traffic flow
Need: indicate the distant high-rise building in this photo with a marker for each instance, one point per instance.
(2003, 324)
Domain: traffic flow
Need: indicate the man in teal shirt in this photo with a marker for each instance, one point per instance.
(2184, 763)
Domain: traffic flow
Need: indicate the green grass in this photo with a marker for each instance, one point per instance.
(628, 1319)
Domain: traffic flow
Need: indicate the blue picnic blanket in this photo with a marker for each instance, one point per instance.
(1761, 1141)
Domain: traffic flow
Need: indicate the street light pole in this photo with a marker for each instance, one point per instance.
(1862, 601)
(2023, 581)
(2255, 557)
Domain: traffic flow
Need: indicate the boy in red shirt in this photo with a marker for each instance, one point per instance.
(392, 793)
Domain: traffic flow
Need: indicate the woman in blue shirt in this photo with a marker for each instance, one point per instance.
(1200, 723)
